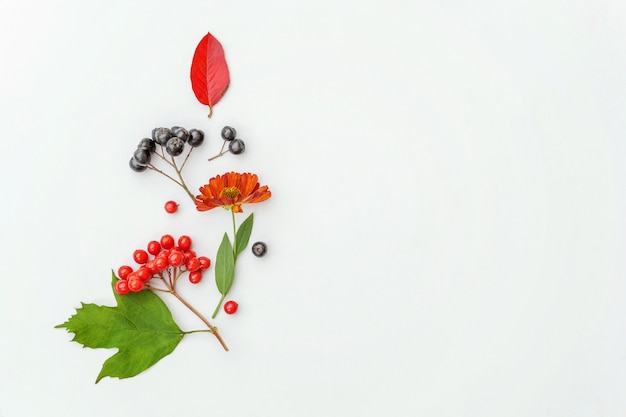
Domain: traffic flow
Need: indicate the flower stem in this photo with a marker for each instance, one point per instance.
(234, 235)
(218, 307)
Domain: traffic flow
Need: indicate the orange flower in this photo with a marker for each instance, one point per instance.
(230, 191)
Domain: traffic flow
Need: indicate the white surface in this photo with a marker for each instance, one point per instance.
(446, 231)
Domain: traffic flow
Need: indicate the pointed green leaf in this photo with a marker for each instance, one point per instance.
(141, 327)
(243, 234)
(224, 266)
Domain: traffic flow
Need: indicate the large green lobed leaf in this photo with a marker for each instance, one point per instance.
(141, 327)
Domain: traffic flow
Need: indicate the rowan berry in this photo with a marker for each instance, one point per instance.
(154, 247)
(135, 284)
(123, 271)
(184, 242)
(230, 307)
(192, 264)
(205, 262)
(171, 207)
(144, 273)
(167, 241)
(140, 256)
(195, 276)
(121, 287)
(151, 265)
(176, 258)
(161, 263)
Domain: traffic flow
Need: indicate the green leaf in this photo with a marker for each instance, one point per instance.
(224, 266)
(141, 327)
(243, 234)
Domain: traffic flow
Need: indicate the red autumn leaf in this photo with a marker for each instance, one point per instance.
(209, 72)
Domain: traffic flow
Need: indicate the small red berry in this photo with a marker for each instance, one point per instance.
(121, 287)
(123, 271)
(230, 307)
(151, 266)
(195, 276)
(135, 284)
(205, 262)
(171, 207)
(154, 247)
(140, 256)
(167, 241)
(192, 264)
(161, 263)
(184, 242)
(176, 258)
(144, 274)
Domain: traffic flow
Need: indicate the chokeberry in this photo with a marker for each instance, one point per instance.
(142, 156)
(229, 133)
(230, 307)
(196, 137)
(171, 207)
(175, 146)
(259, 249)
(180, 132)
(148, 144)
(135, 166)
(161, 135)
(236, 146)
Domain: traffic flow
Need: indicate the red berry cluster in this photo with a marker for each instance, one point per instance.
(168, 263)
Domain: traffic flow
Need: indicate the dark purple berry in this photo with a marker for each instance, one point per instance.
(175, 146)
(148, 144)
(236, 146)
(162, 135)
(259, 249)
(142, 156)
(135, 167)
(196, 137)
(229, 133)
(180, 132)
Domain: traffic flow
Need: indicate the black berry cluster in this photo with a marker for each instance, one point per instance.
(235, 146)
(172, 141)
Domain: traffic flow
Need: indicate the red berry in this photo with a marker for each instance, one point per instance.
(121, 287)
(161, 263)
(184, 242)
(135, 284)
(176, 258)
(151, 266)
(171, 207)
(190, 254)
(230, 307)
(192, 264)
(154, 247)
(123, 271)
(195, 277)
(140, 256)
(144, 274)
(167, 241)
(205, 262)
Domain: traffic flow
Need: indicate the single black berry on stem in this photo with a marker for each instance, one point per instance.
(196, 137)
(142, 156)
(229, 133)
(148, 144)
(135, 167)
(236, 146)
(180, 132)
(259, 249)
(162, 135)
(175, 146)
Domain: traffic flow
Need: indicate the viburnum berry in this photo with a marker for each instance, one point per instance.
(151, 266)
(230, 307)
(140, 256)
(184, 242)
(144, 273)
(195, 276)
(121, 287)
(171, 207)
(167, 241)
(154, 247)
(192, 264)
(205, 262)
(135, 284)
(161, 263)
(176, 258)
(123, 271)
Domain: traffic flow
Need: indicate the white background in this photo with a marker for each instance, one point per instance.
(446, 233)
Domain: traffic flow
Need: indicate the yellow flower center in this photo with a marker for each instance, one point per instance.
(230, 192)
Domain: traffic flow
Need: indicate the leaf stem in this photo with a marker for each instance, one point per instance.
(198, 331)
(212, 328)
